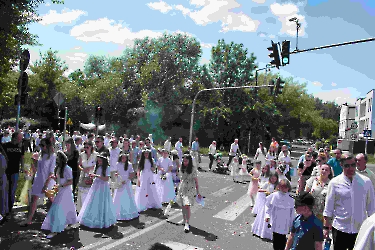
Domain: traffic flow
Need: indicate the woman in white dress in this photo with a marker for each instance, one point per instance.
(261, 154)
(146, 194)
(265, 189)
(123, 199)
(42, 180)
(175, 168)
(164, 181)
(87, 162)
(63, 210)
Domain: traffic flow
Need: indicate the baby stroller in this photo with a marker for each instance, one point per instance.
(221, 168)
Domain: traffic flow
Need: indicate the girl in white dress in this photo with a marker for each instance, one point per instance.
(42, 180)
(164, 180)
(270, 155)
(261, 154)
(146, 194)
(63, 210)
(281, 170)
(175, 169)
(234, 169)
(265, 189)
(98, 210)
(123, 199)
(87, 162)
(243, 173)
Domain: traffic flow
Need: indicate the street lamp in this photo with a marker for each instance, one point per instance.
(295, 19)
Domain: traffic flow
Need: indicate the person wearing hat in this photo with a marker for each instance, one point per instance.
(307, 230)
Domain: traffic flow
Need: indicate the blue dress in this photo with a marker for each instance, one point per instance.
(123, 199)
(63, 210)
(98, 210)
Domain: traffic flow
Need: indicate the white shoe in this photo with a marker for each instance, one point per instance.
(51, 235)
(167, 210)
(187, 228)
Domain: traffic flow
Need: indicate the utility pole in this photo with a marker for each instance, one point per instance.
(22, 85)
(65, 121)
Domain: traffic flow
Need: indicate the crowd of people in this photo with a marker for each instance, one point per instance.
(89, 179)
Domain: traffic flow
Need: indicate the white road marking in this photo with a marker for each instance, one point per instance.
(223, 191)
(235, 209)
(175, 214)
(180, 246)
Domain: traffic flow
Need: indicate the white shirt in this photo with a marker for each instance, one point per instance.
(178, 146)
(233, 149)
(212, 149)
(366, 236)
(113, 157)
(167, 145)
(349, 203)
(369, 174)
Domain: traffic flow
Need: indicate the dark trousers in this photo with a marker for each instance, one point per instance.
(212, 158)
(75, 180)
(12, 187)
(279, 241)
(4, 207)
(343, 241)
(230, 160)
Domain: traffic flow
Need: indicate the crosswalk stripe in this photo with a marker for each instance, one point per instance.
(235, 209)
(180, 246)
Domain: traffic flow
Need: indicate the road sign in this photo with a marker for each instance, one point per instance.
(367, 133)
(69, 122)
(353, 131)
(59, 99)
(354, 125)
(353, 137)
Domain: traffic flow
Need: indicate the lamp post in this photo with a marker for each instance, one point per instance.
(295, 19)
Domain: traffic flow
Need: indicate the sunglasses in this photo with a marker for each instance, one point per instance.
(353, 165)
(319, 160)
(308, 160)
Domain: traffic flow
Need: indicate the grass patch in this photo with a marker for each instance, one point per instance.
(371, 159)
(21, 178)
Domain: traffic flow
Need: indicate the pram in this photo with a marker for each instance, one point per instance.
(221, 168)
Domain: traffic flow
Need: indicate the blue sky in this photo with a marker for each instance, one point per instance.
(80, 28)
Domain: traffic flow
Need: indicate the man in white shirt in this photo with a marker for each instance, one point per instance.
(349, 201)
(195, 151)
(233, 151)
(178, 147)
(362, 169)
(114, 153)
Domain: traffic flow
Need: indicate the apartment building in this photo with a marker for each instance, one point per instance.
(364, 115)
(347, 117)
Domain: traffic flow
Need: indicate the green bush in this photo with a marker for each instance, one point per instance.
(371, 159)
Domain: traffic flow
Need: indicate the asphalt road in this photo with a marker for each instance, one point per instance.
(223, 223)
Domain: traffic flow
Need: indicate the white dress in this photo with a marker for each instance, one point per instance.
(261, 155)
(261, 197)
(45, 167)
(146, 195)
(63, 210)
(234, 171)
(123, 198)
(165, 187)
(83, 191)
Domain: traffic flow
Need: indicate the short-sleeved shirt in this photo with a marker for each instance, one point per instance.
(335, 164)
(308, 171)
(306, 232)
(14, 154)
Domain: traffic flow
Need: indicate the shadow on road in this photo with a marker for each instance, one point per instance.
(207, 236)
(131, 223)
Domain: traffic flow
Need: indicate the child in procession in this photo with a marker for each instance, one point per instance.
(280, 213)
(259, 227)
(234, 169)
(98, 210)
(253, 186)
(264, 181)
(63, 210)
(164, 180)
(123, 199)
(243, 173)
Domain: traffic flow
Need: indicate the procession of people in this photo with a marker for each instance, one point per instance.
(98, 180)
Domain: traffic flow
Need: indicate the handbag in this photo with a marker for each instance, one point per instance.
(85, 181)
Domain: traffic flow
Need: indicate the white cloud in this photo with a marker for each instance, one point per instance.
(66, 16)
(77, 48)
(334, 84)
(317, 84)
(76, 57)
(207, 45)
(259, 1)
(204, 61)
(106, 30)
(48, 4)
(271, 36)
(262, 35)
(340, 96)
(161, 6)
(220, 11)
(284, 13)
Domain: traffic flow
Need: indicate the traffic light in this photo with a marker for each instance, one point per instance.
(285, 47)
(279, 86)
(272, 82)
(274, 49)
(23, 82)
(98, 112)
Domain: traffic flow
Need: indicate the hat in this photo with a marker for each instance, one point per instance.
(174, 152)
(304, 199)
(103, 155)
(258, 161)
(146, 150)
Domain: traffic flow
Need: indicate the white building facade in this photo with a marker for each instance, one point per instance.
(364, 115)
(347, 117)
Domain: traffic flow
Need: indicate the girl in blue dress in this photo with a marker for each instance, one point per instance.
(123, 199)
(63, 210)
(98, 210)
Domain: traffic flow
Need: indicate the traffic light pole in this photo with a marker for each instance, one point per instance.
(18, 103)
(64, 132)
(256, 73)
(205, 90)
(334, 45)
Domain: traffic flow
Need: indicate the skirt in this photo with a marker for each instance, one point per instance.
(260, 201)
(260, 226)
(124, 203)
(146, 196)
(62, 212)
(165, 188)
